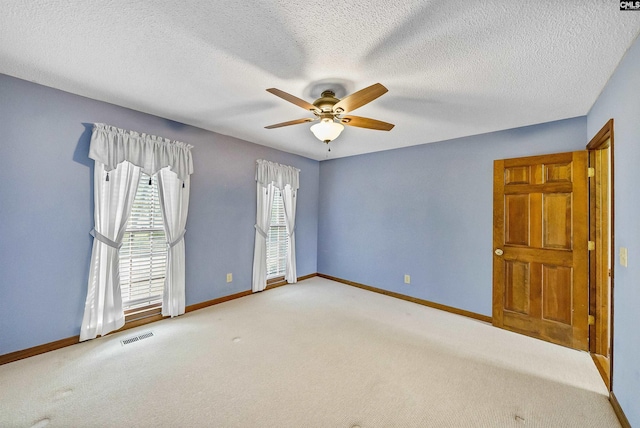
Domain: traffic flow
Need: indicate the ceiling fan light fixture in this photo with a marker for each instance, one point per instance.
(327, 130)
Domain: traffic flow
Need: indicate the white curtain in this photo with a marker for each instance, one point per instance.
(263, 222)
(113, 200)
(269, 175)
(120, 155)
(111, 146)
(174, 201)
(289, 200)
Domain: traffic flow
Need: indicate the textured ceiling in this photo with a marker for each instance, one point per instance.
(453, 67)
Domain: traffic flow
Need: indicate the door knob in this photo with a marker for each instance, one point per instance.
(499, 252)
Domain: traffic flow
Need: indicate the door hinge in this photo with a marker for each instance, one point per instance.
(591, 245)
(592, 320)
(591, 172)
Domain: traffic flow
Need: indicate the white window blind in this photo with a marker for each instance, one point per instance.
(143, 255)
(277, 241)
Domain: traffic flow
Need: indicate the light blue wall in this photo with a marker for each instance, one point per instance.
(425, 211)
(620, 100)
(46, 209)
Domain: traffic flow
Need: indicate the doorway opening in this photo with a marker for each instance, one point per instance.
(601, 234)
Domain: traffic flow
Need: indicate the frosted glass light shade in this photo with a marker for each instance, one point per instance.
(327, 130)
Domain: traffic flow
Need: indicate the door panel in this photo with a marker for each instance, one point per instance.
(558, 173)
(517, 219)
(540, 237)
(556, 291)
(556, 220)
(516, 287)
(517, 175)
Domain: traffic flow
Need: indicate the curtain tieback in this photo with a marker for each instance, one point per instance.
(260, 231)
(100, 237)
(292, 232)
(178, 239)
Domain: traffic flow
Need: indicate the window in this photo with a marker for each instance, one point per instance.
(277, 241)
(143, 255)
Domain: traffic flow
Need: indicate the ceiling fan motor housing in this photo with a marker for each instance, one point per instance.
(326, 102)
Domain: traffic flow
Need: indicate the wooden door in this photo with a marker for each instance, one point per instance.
(540, 241)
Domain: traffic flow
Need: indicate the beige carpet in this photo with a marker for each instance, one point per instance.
(315, 354)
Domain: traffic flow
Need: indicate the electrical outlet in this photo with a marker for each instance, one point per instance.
(623, 256)
(229, 277)
(407, 279)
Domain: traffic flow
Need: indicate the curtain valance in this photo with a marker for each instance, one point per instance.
(280, 175)
(112, 146)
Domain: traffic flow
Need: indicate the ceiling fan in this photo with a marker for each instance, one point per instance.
(332, 112)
